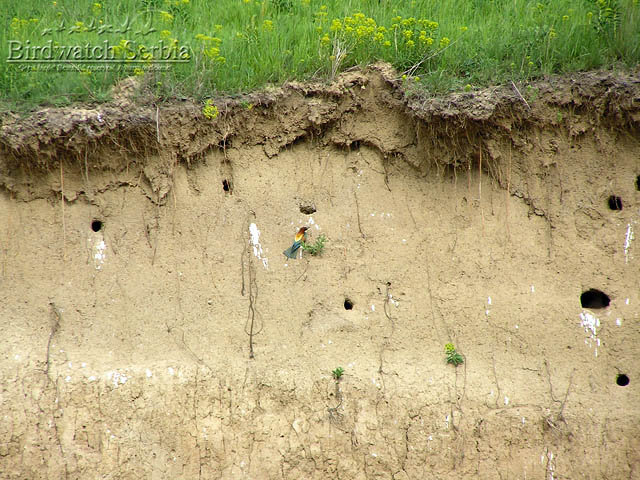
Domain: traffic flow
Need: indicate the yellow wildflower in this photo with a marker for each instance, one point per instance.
(166, 16)
(212, 52)
(409, 22)
(210, 110)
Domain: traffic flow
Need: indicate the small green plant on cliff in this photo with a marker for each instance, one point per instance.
(210, 110)
(453, 357)
(337, 373)
(315, 248)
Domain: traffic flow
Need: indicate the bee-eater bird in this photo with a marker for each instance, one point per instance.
(301, 236)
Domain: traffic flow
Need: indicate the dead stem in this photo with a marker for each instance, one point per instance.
(387, 338)
(305, 271)
(469, 190)
(252, 326)
(520, 95)
(386, 173)
(507, 195)
(86, 171)
(480, 190)
(158, 123)
(358, 212)
(56, 316)
(64, 224)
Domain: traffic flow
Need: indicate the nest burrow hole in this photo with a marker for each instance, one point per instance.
(594, 298)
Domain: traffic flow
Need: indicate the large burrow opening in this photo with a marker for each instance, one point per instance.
(594, 299)
(615, 202)
(96, 225)
(622, 380)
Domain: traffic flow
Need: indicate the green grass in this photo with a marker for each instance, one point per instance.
(233, 46)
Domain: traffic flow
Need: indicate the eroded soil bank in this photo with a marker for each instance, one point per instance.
(141, 263)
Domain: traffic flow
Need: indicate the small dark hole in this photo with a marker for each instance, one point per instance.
(299, 140)
(593, 298)
(96, 225)
(615, 203)
(622, 380)
(348, 304)
(224, 143)
(638, 183)
(226, 185)
(307, 208)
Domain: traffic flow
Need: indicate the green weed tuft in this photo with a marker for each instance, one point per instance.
(453, 357)
(317, 247)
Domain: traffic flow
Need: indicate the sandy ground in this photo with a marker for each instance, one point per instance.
(126, 350)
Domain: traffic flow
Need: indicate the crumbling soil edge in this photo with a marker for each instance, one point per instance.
(463, 125)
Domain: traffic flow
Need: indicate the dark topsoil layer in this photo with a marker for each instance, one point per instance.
(578, 103)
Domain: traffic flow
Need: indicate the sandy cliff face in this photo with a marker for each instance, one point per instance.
(141, 265)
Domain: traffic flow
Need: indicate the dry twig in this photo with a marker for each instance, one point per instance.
(520, 95)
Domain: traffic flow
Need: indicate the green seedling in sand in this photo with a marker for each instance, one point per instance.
(453, 357)
(315, 248)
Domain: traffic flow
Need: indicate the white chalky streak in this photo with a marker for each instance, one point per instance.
(99, 254)
(590, 324)
(257, 248)
(627, 242)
